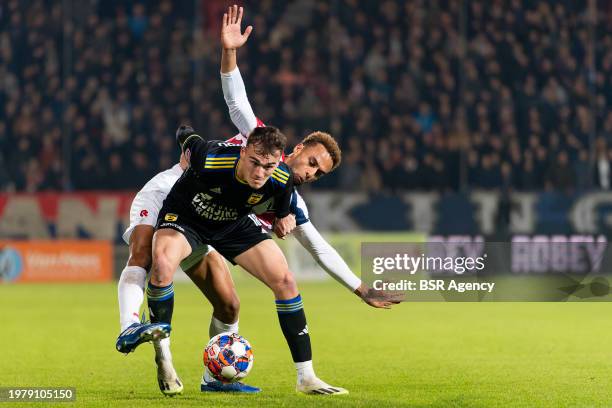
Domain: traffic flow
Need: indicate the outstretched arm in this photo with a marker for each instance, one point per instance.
(329, 259)
(234, 91)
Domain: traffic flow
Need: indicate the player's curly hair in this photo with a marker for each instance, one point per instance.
(329, 143)
(267, 140)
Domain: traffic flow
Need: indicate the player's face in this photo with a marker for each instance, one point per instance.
(256, 168)
(309, 163)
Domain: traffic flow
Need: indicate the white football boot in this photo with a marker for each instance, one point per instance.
(169, 382)
(315, 386)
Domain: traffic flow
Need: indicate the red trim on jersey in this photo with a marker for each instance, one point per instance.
(241, 139)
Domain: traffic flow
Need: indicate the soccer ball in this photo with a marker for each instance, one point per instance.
(228, 357)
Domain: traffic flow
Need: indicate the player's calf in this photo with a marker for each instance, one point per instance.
(169, 248)
(130, 289)
(227, 310)
(130, 292)
(292, 320)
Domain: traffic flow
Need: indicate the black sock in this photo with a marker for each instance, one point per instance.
(161, 303)
(293, 323)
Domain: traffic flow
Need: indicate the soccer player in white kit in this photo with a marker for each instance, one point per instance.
(206, 267)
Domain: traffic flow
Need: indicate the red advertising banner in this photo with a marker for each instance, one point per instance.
(46, 216)
(55, 261)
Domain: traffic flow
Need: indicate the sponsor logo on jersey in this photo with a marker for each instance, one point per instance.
(206, 207)
(171, 217)
(255, 198)
(144, 213)
(216, 190)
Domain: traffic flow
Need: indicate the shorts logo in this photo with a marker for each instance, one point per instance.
(144, 213)
(255, 198)
(172, 225)
(171, 217)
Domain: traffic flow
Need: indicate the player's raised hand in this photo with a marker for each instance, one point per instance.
(378, 298)
(231, 37)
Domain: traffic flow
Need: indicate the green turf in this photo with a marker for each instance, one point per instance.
(419, 354)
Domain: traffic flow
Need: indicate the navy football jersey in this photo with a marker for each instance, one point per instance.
(210, 193)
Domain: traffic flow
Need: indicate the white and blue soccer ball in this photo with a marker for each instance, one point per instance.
(228, 357)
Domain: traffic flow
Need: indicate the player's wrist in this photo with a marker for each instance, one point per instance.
(361, 291)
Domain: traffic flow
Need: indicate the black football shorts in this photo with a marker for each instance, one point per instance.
(230, 241)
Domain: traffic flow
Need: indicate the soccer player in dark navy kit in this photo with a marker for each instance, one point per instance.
(211, 205)
(214, 197)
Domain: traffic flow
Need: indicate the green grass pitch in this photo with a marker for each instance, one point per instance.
(417, 355)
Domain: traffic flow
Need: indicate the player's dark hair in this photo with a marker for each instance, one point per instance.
(182, 133)
(267, 140)
(329, 143)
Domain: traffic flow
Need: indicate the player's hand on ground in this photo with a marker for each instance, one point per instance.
(231, 37)
(284, 226)
(378, 298)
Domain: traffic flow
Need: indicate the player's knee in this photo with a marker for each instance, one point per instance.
(285, 285)
(163, 268)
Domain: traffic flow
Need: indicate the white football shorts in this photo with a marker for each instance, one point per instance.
(144, 210)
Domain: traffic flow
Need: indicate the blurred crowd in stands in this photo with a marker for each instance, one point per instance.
(422, 94)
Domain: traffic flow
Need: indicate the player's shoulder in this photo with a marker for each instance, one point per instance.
(222, 146)
(282, 166)
(282, 176)
(221, 155)
(299, 208)
(297, 198)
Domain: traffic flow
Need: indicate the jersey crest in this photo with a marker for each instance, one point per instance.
(255, 198)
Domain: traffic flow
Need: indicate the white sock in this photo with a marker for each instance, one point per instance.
(162, 349)
(305, 372)
(217, 326)
(131, 294)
